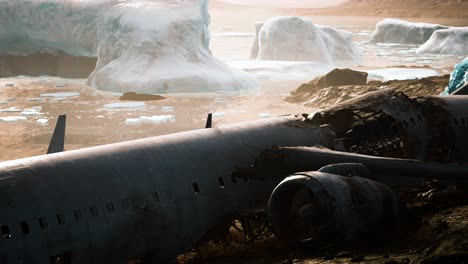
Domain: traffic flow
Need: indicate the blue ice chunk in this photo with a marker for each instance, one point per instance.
(458, 78)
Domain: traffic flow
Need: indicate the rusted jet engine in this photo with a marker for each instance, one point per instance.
(151, 199)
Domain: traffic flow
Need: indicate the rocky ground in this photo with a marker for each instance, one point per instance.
(340, 85)
(434, 232)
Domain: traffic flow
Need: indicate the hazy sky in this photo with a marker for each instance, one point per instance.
(287, 3)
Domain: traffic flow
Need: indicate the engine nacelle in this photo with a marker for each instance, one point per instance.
(319, 206)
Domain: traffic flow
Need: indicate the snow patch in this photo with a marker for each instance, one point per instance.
(401, 74)
(124, 105)
(399, 31)
(264, 115)
(453, 41)
(298, 39)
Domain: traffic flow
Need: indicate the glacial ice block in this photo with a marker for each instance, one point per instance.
(453, 41)
(392, 30)
(298, 39)
(159, 46)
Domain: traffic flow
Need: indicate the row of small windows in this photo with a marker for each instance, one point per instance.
(461, 121)
(94, 211)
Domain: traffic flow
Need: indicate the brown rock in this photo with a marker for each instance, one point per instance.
(141, 97)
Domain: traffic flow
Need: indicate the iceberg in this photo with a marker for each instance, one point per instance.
(453, 41)
(458, 77)
(298, 39)
(392, 30)
(159, 46)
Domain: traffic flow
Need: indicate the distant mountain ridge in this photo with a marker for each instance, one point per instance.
(398, 8)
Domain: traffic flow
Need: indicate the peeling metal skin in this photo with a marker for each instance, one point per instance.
(147, 199)
(323, 207)
(390, 124)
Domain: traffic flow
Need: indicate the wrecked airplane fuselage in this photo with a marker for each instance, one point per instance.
(388, 123)
(147, 199)
(151, 199)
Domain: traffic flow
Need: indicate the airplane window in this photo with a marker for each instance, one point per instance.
(221, 182)
(156, 197)
(60, 219)
(78, 215)
(196, 189)
(25, 227)
(233, 179)
(110, 207)
(405, 123)
(43, 223)
(94, 211)
(125, 204)
(6, 232)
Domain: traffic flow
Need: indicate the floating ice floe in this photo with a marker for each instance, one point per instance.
(60, 95)
(42, 121)
(124, 105)
(282, 70)
(11, 110)
(453, 41)
(168, 108)
(399, 31)
(13, 119)
(150, 119)
(264, 115)
(401, 74)
(218, 114)
(36, 99)
(298, 39)
(32, 111)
